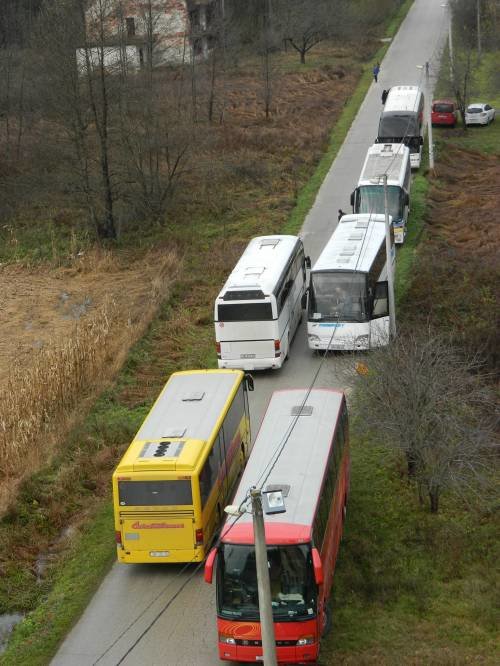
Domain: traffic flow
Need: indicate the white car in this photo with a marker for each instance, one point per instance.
(479, 114)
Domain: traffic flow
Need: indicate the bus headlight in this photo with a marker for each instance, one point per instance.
(313, 338)
(362, 340)
(227, 640)
(306, 640)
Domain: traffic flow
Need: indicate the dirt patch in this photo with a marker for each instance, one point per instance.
(40, 306)
(457, 275)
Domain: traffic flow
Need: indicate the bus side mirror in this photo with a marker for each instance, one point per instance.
(407, 199)
(308, 262)
(303, 302)
(317, 566)
(249, 382)
(209, 565)
(420, 140)
(352, 199)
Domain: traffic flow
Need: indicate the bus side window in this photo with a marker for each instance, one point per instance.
(233, 418)
(380, 300)
(211, 468)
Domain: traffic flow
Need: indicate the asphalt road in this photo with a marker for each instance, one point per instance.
(131, 597)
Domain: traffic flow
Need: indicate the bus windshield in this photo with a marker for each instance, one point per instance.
(371, 200)
(398, 125)
(293, 590)
(337, 296)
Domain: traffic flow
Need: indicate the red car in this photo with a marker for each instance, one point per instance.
(444, 112)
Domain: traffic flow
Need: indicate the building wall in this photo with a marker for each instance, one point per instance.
(128, 21)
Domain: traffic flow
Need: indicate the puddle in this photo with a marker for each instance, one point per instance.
(44, 559)
(7, 623)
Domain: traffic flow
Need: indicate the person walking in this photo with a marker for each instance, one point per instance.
(376, 71)
(341, 214)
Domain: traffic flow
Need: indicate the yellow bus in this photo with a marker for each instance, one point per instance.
(171, 486)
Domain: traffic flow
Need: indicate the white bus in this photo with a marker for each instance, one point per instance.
(260, 306)
(402, 119)
(348, 304)
(392, 159)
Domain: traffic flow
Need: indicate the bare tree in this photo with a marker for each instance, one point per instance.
(95, 22)
(423, 399)
(304, 24)
(154, 129)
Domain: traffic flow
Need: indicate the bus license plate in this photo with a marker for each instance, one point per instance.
(247, 355)
(159, 553)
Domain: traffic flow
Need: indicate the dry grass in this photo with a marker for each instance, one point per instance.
(84, 346)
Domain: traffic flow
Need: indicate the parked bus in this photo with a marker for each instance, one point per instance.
(171, 486)
(302, 543)
(402, 119)
(260, 306)
(348, 304)
(393, 160)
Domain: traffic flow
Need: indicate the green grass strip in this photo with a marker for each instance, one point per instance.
(36, 639)
(407, 252)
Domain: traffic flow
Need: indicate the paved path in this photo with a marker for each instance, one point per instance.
(185, 634)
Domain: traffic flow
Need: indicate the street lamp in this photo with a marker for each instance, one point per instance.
(428, 114)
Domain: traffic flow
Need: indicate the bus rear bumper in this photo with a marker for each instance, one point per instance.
(251, 364)
(305, 654)
(160, 557)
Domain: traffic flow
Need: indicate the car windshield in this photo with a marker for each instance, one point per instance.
(443, 108)
(337, 296)
(293, 590)
(371, 200)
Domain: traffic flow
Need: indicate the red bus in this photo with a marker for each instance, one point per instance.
(302, 543)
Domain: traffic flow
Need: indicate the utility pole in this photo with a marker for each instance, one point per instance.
(428, 113)
(263, 584)
(388, 253)
(447, 6)
(478, 14)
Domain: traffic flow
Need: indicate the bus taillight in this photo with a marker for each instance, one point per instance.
(118, 538)
(277, 348)
(217, 349)
(199, 537)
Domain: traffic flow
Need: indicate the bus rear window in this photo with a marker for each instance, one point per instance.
(398, 125)
(154, 493)
(245, 312)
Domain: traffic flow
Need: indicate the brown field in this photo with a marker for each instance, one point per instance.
(64, 333)
(460, 259)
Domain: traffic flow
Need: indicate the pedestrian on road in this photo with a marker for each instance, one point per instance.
(341, 214)
(376, 71)
(384, 95)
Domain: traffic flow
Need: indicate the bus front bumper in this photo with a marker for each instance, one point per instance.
(303, 654)
(317, 343)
